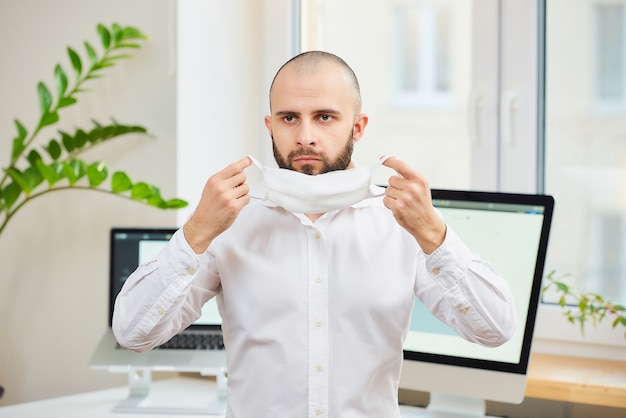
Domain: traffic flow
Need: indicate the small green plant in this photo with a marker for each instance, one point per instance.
(34, 171)
(591, 307)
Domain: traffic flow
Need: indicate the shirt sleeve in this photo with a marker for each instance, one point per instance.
(164, 295)
(466, 293)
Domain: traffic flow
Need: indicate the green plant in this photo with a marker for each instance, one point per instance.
(35, 171)
(591, 306)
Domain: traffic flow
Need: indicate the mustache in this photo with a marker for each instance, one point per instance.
(305, 151)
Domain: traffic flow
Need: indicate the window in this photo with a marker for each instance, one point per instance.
(498, 132)
(422, 55)
(585, 146)
(413, 61)
(610, 54)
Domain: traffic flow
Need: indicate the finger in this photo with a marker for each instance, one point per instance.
(401, 168)
(235, 168)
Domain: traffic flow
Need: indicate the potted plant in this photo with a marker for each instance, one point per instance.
(36, 169)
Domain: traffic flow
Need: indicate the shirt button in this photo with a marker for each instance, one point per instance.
(435, 271)
(318, 323)
(190, 271)
(318, 411)
(160, 311)
(318, 279)
(463, 310)
(319, 368)
(317, 235)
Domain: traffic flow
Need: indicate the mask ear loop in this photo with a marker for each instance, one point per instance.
(375, 166)
(255, 162)
(380, 162)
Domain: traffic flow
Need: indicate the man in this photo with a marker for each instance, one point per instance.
(315, 306)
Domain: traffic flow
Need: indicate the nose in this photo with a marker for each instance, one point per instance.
(305, 136)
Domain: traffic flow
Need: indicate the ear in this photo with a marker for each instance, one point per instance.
(360, 122)
(268, 124)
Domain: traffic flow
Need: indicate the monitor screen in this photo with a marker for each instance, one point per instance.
(510, 231)
(131, 247)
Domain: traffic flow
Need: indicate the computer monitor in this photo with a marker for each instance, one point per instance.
(510, 231)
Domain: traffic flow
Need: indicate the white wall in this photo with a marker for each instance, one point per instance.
(228, 53)
(54, 253)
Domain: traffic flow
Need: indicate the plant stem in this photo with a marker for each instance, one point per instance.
(10, 214)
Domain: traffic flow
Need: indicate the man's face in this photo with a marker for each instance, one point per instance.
(314, 123)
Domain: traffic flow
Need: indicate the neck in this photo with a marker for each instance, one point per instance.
(313, 216)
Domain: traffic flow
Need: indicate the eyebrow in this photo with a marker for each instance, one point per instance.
(319, 111)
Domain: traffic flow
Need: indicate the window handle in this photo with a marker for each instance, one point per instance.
(509, 106)
(475, 106)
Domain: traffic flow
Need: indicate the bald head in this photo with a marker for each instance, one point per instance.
(308, 63)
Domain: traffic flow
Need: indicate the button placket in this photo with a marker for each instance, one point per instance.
(318, 320)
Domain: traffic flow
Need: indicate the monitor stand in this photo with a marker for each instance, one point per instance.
(443, 405)
(139, 401)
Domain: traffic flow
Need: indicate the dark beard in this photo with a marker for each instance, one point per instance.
(340, 163)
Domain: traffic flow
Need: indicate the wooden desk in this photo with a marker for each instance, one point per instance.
(579, 380)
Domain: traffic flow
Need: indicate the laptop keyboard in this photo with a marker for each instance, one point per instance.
(194, 341)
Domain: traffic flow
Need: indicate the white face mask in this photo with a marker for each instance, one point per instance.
(303, 193)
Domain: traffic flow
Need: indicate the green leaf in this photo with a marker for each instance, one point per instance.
(10, 194)
(120, 182)
(21, 131)
(33, 156)
(80, 139)
(91, 53)
(18, 178)
(74, 170)
(130, 32)
(112, 58)
(18, 148)
(562, 287)
(116, 32)
(140, 191)
(96, 173)
(49, 172)
(175, 203)
(49, 118)
(66, 101)
(105, 36)
(157, 202)
(128, 45)
(76, 62)
(33, 177)
(45, 98)
(562, 301)
(68, 141)
(61, 80)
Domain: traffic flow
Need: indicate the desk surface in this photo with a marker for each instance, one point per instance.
(179, 391)
(580, 380)
(560, 378)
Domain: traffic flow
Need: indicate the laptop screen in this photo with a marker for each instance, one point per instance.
(131, 247)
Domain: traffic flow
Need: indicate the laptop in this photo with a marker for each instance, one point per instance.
(199, 348)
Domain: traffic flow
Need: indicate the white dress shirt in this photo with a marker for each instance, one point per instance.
(314, 313)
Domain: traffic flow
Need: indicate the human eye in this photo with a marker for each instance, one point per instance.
(289, 118)
(325, 118)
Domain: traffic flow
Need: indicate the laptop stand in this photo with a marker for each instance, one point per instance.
(139, 401)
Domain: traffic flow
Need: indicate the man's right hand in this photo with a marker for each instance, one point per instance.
(224, 195)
